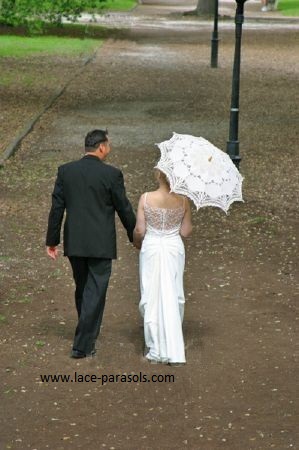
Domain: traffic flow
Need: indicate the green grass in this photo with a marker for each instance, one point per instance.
(18, 46)
(289, 7)
(119, 5)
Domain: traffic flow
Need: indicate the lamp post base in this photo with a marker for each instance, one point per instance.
(232, 149)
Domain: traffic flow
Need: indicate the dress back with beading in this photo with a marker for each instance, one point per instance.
(163, 220)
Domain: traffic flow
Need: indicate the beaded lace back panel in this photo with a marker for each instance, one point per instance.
(163, 219)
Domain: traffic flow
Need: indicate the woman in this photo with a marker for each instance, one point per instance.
(162, 218)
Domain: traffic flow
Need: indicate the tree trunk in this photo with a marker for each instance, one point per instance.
(205, 7)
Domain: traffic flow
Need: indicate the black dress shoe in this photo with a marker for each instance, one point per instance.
(78, 355)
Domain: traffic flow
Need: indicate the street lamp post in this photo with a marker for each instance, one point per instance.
(214, 40)
(233, 142)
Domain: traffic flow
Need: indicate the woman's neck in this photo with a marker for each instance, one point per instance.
(164, 188)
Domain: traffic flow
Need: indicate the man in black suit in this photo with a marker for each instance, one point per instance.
(90, 191)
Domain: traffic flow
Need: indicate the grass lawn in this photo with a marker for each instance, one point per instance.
(118, 5)
(289, 7)
(18, 46)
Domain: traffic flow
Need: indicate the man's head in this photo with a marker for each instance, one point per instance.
(97, 143)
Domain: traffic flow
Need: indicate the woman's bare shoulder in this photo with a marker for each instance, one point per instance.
(151, 194)
(141, 199)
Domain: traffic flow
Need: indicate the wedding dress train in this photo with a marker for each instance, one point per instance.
(162, 260)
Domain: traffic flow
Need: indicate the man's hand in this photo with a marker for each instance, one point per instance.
(52, 252)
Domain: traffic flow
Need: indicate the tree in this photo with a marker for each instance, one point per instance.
(205, 7)
(35, 13)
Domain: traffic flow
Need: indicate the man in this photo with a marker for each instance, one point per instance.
(90, 191)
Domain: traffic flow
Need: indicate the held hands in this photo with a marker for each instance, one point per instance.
(137, 244)
(52, 252)
(137, 239)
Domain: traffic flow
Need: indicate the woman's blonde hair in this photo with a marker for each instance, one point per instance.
(162, 177)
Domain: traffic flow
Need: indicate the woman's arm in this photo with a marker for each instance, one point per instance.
(186, 226)
(139, 230)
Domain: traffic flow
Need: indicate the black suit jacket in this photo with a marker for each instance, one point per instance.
(90, 191)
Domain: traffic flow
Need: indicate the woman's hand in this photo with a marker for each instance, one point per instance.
(137, 239)
(137, 245)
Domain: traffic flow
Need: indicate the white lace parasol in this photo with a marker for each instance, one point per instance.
(201, 171)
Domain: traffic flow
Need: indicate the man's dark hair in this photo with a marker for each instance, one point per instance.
(94, 138)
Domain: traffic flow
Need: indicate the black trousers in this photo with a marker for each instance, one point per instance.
(91, 276)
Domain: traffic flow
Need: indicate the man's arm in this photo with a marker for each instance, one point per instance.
(55, 216)
(123, 206)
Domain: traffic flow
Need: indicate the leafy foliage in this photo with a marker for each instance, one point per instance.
(35, 13)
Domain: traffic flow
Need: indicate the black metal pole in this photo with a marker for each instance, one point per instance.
(233, 142)
(214, 40)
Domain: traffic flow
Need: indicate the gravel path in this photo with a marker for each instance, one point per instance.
(238, 389)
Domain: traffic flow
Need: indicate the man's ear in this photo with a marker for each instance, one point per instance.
(101, 147)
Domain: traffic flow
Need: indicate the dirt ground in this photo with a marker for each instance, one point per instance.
(238, 388)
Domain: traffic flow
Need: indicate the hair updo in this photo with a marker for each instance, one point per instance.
(162, 177)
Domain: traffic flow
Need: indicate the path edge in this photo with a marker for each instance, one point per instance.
(13, 147)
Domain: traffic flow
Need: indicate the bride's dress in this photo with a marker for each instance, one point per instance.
(162, 260)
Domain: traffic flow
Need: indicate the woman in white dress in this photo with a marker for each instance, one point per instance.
(162, 218)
